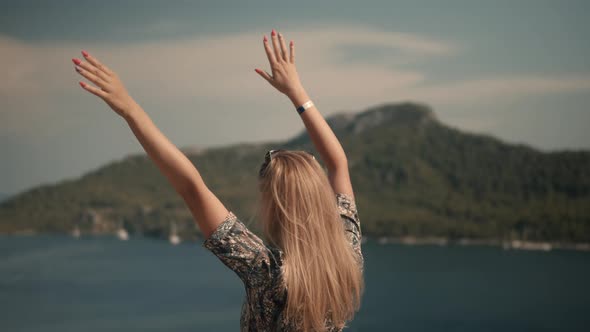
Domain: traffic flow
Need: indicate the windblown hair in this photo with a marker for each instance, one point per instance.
(299, 215)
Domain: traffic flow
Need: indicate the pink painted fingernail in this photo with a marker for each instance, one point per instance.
(265, 38)
(273, 32)
(84, 53)
(76, 61)
(77, 68)
(291, 43)
(82, 84)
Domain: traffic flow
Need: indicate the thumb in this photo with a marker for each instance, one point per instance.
(264, 74)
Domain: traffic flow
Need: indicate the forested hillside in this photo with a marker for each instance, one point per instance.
(412, 175)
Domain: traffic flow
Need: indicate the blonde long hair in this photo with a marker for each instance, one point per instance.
(299, 215)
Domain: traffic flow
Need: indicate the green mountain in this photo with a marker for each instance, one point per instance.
(412, 175)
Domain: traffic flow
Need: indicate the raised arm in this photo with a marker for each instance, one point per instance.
(286, 80)
(206, 208)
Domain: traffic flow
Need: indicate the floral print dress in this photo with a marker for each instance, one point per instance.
(258, 265)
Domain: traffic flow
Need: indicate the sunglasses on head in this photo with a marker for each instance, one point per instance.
(268, 158)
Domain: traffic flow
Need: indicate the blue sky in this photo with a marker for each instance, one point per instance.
(517, 70)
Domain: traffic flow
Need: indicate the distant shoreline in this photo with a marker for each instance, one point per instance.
(383, 240)
(505, 244)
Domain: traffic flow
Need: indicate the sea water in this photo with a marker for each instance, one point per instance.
(59, 283)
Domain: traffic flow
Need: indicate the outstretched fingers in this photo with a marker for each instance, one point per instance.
(278, 56)
(269, 53)
(94, 61)
(94, 90)
(283, 47)
(275, 45)
(92, 76)
(292, 52)
(264, 74)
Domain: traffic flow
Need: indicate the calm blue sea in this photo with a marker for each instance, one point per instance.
(58, 283)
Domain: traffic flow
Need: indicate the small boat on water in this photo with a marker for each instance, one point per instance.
(122, 233)
(383, 240)
(76, 232)
(173, 238)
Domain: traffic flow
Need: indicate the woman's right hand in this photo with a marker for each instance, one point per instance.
(284, 74)
(109, 86)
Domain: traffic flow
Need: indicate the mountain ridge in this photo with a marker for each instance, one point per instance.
(412, 175)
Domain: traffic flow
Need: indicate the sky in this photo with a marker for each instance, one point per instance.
(516, 70)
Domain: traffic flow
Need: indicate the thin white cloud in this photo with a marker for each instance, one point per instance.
(200, 65)
(487, 89)
(40, 77)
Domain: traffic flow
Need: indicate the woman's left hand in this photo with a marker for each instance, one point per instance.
(108, 85)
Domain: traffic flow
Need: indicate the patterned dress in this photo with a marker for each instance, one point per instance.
(258, 265)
